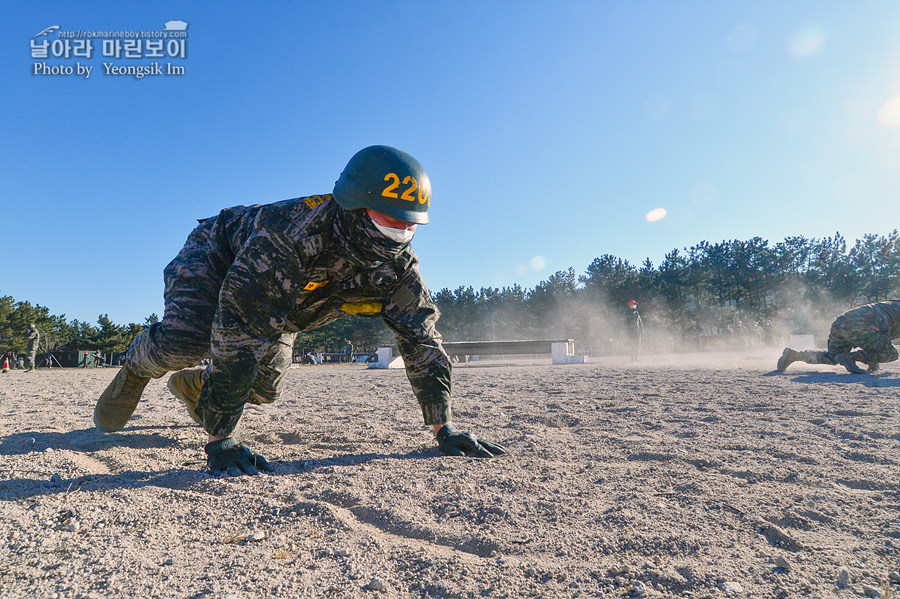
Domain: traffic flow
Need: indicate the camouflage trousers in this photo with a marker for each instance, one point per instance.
(183, 337)
(30, 358)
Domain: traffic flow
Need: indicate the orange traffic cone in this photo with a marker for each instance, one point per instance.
(5, 364)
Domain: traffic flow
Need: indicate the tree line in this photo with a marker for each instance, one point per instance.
(57, 334)
(795, 285)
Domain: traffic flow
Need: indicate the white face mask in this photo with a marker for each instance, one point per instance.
(398, 235)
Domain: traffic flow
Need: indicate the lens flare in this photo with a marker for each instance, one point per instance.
(655, 215)
(538, 263)
(889, 113)
(807, 42)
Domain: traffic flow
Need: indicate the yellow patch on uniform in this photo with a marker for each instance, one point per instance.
(314, 201)
(313, 285)
(362, 307)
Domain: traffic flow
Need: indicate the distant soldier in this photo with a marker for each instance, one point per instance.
(869, 329)
(348, 351)
(98, 358)
(250, 278)
(634, 326)
(31, 346)
(741, 335)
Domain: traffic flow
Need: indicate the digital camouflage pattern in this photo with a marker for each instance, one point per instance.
(31, 343)
(31, 347)
(634, 327)
(247, 280)
(871, 328)
(633, 323)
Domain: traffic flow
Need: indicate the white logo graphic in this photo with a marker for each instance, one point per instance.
(176, 26)
(49, 30)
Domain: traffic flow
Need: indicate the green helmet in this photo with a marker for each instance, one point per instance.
(387, 180)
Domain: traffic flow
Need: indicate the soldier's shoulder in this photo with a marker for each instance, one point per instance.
(406, 262)
(303, 204)
(310, 214)
(891, 306)
(301, 207)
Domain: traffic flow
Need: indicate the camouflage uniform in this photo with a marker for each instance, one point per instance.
(31, 348)
(634, 326)
(250, 278)
(869, 328)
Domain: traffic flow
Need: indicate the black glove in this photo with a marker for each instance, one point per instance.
(454, 442)
(231, 456)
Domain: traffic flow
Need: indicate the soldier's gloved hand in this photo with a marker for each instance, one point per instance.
(230, 456)
(455, 442)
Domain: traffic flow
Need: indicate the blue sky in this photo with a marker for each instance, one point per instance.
(550, 130)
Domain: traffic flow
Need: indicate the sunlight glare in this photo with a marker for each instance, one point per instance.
(655, 215)
(889, 113)
(807, 42)
(538, 263)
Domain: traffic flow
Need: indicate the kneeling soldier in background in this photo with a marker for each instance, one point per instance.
(862, 334)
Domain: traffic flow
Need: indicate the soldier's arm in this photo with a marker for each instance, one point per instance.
(257, 294)
(411, 314)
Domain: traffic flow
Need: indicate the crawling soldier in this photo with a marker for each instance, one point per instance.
(250, 278)
(869, 329)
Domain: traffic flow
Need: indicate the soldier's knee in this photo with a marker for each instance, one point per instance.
(189, 341)
(266, 397)
(267, 387)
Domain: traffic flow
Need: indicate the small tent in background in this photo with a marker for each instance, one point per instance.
(67, 359)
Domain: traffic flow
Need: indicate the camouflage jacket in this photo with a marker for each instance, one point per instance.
(889, 310)
(32, 341)
(633, 322)
(293, 266)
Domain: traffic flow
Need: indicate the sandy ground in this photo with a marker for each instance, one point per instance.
(679, 476)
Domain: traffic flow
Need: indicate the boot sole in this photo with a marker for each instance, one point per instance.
(103, 427)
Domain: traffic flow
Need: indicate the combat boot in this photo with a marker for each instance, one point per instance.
(847, 362)
(186, 385)
(117, 403)
(788, 357)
